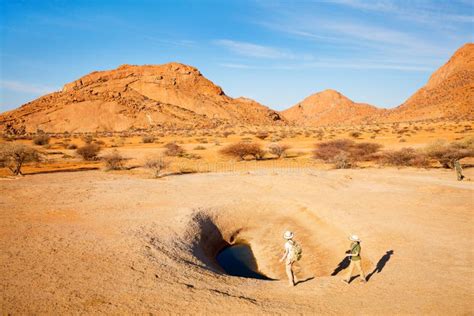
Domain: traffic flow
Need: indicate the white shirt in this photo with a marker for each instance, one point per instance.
(289, 253)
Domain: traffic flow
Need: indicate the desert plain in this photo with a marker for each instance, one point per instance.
(133, 180)
(123, 241)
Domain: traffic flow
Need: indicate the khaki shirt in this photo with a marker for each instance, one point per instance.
(355, 251)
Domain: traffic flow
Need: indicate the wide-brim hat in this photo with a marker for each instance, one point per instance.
(288, 235)
(354, 238)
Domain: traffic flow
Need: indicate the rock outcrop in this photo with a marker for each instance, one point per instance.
(137, 97)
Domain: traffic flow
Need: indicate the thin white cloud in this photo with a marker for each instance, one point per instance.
(357, 36)
(370, 65)
(424, 12)
(384, 6)
(338, 64)
(254, 50)
(236, 66)
(24, 87)
(377, 34)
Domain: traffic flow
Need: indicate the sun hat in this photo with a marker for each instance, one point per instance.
(354, 238)
(288, 235)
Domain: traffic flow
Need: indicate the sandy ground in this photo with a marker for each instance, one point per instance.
(96, 242)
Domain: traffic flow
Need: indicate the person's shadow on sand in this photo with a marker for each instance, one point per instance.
(304, 280)
(342, 265)
(381, 264)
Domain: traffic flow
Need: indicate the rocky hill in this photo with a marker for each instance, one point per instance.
(137, 97)
(449, 93)
(178, 96)
(329, 107)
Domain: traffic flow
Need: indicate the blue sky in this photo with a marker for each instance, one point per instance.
(276, 52)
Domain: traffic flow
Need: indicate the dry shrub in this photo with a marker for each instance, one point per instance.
(345, 150)
(157, 164)
(199, 147)
(13, 156)
(114, 161)
(71, 146)
(326, 151)
(406, 157)
(147, 139)
(355, 134)
(88, 152)
(202, 140)
(278, 150)
(87, 139)
(262, 135)
(364, 151)
(191, 156)
(174, 150)
(41, 140)
(447, 153)
(356, 151)
(247, 139)
(342, 161)
(8, 137)
(241, 150)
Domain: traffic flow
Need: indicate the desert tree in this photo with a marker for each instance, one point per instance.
(278, 150)
(157, 164)
(14, 156)
(448, 153)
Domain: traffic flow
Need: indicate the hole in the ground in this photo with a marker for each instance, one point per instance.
(238, 260)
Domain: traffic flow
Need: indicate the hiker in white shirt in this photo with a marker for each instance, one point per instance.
(292, 254)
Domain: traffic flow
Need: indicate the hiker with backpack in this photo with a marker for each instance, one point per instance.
(354, 256)
(292, 254)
